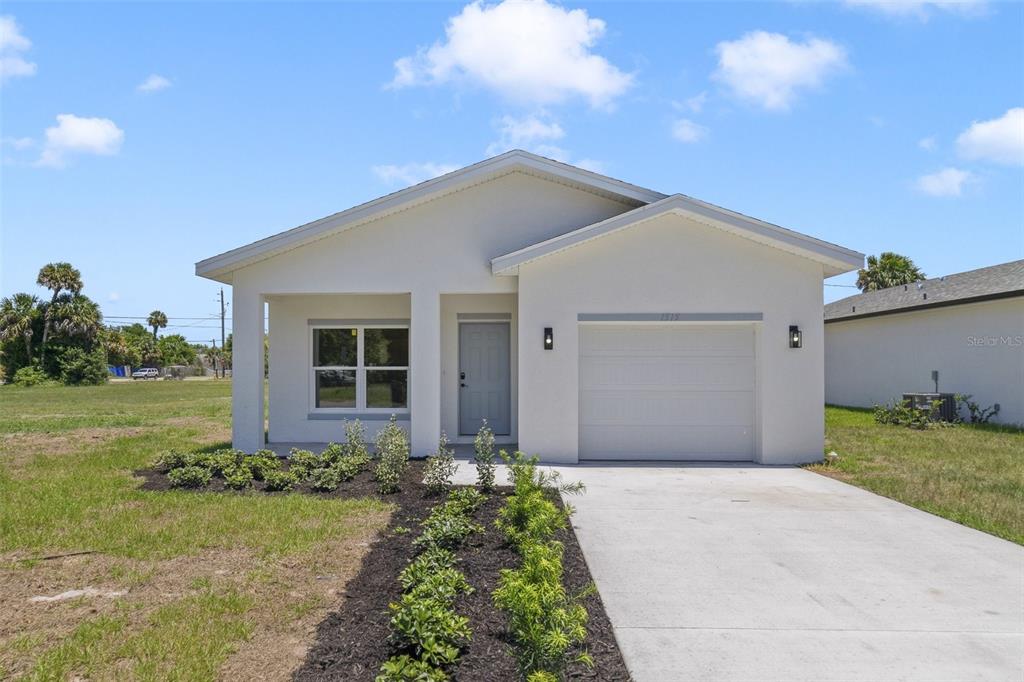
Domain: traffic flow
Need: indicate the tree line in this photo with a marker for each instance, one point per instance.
(63, 337)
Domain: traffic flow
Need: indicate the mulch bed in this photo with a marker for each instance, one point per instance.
(352, 642)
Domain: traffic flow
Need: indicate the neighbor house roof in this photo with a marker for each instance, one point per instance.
(996, 281)
(836, 259)
(221, 266)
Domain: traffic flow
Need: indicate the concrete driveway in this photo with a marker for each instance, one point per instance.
(763, 573)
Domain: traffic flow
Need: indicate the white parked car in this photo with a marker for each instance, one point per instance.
(146, 373)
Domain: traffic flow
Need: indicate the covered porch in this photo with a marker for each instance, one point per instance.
(437, 362)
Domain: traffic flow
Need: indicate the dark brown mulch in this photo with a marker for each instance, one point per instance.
(352, 642)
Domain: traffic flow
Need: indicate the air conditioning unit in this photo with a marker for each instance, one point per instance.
(947, 403)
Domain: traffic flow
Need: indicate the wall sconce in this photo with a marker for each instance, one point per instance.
(795, 337)
(549, 338)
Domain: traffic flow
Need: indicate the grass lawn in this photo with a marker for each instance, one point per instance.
(183, 585)
(971, 474)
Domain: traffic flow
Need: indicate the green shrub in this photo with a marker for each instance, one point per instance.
(405, 668)
(440, 467)
(483, 449)
(279, 481)
(325, 480)
(303, 462)
(262, 463)
(200, 459)
(190, 477)
(348, 468)
(332, 453)
(172, 459)
(31, 376)
(83, 368)
(429, 629)
(355, 442)
(976, 413)
(465, 500)
(544, 621)
(530, 515)
(447, 526)
(905, 413)
(237, 477)
(224, 460)
(392, 447)
(430, 561)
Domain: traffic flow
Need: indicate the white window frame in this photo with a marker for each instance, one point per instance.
(360, 369)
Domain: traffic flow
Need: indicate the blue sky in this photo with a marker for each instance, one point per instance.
(188, 129)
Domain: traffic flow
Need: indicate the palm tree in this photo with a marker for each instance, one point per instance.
(157, 320)
(58, 278)
(18, 313)
(77, 316)
(888, 270)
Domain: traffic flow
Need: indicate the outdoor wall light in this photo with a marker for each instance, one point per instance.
(549, 338)
(795, 337)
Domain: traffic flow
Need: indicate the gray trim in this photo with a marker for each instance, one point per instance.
(363, 417)
(354, 323)
(670, 317)
(484, 317)
(927, 306)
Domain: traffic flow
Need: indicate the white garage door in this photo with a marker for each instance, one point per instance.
(676, 392)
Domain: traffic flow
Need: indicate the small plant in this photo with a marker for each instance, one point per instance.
(348, 468)
(224, 460)
(905, 413)
(31, 376)
(483, 449)
(172, 459)
(279, 481)
(430, 561)
(355, 442)
(190, 477)
(530, 515)
(429, 629)
(976, 413)
(303, 462)
(326, 479)
(392, 447)
(332, 453)
(440, 467)
(405, 668)
(262, 463)
(238, 477)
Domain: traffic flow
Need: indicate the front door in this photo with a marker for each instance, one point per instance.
(484, 377)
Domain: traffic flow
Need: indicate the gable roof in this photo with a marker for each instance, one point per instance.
(996, 281)
(221, 266)
(836, 259)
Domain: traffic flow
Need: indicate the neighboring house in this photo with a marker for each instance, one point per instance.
(968, 327)
(583, 317)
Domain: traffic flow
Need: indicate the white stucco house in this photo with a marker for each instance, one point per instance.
(583, 317)
(967, 327)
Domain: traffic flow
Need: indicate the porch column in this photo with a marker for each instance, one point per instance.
(246, 369)
(425, 371)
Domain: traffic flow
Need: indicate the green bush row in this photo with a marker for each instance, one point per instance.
(546, 622)
(426, 630)
(239, 470)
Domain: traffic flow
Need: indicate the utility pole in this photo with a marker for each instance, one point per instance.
(222, 374)
(213, 357)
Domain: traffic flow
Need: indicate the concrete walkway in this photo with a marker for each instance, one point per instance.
(753, 573)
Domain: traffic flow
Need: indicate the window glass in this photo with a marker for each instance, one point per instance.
(334, 348)
(386, 347)
(386, 387)
(335, 388)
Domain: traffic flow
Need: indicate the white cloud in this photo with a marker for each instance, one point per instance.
(154, 83)
(769, 69)
(948, 182)
(528, 132)
(927, 143)
(411, 173)
(18, 143)
(920, 8)
(1000, 140)
(79, 135)
(12, 42)
(693, 104)
(529, 51)
(685, 130)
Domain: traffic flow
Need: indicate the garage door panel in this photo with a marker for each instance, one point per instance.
(654, 408)
(667, 392)
(718, 373)
(690, 443)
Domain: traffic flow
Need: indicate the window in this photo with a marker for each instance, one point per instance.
(360, 368)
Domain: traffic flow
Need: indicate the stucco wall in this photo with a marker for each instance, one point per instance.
(978, 348)
(673, 264)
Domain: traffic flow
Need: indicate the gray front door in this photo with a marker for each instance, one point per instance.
(484, 377)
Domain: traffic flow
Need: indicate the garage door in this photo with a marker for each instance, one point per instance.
(676, 392)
